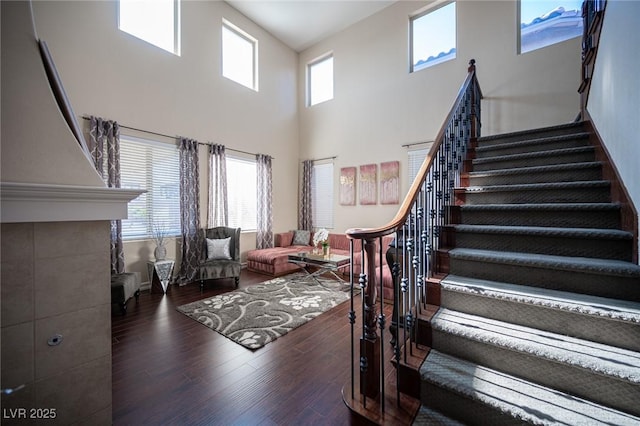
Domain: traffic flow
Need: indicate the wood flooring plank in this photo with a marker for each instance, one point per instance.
(169, 369)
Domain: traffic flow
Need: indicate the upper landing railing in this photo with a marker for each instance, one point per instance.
(416, 228)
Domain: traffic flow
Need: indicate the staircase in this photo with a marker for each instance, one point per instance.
(539, 318)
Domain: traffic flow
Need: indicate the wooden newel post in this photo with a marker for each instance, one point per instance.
(369, 345)
(474, 114)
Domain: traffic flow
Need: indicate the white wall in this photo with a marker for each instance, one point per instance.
(613, 100)
(109, 73)
(378, 105)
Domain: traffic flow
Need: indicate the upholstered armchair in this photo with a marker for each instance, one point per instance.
(220, 254)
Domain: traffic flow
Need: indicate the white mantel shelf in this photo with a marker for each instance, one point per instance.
(33, 202)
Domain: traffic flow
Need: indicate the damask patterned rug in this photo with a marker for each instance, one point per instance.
(259, 314)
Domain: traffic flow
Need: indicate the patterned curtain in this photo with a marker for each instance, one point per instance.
(105, 135)
(189, 210)
(218, 209)
(305, 215)
(264, 236)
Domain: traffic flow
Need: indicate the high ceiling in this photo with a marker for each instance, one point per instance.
(302, 23)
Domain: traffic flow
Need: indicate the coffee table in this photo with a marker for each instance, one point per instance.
(330, 263)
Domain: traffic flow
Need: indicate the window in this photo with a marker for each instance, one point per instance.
(322, 195)
(546, 22)
(239, 56)
(154, 21)
(433, 37)
(242, 193)
(155, 167)
(320, 80)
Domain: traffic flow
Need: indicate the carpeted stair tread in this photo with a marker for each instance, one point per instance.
(428, 417)
(537, 143)
(609, 361)
(560, 129)
(613, 234)
(533, 154)
(619, 310)
(559, 214)
(537, 186)
(535, 169)
(575, 264)
(522, 400)
(559, 207)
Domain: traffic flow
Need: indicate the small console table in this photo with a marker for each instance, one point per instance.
(160, 273)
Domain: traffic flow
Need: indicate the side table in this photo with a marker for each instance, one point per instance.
(160, 273)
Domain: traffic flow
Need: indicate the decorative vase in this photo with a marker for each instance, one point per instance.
(160, 253)
(326, 250)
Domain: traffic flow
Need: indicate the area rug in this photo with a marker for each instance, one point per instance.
(259, 314)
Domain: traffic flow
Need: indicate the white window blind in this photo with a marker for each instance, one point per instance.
(155, 167)
(322, 194)
(242, 193)
(416, 158)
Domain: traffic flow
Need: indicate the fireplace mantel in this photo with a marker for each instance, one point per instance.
(31, 202)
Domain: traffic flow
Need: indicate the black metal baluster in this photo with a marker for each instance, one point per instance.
(381, 325)
(364, 364)
(352, 320)
(403, 288)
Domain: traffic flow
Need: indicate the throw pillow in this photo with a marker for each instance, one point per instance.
(301, 237)
(219, 249)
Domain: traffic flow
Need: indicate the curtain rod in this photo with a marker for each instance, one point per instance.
(406, 145)
(171, 137)
(230, 149)
(320, 159)
(139, 130)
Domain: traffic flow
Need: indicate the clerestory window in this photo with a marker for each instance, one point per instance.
(239, 56)
(433, 37)
(154, 21)
(546, 22)
(320, 80)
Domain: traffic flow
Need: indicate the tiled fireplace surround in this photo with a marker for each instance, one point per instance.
(52, 275)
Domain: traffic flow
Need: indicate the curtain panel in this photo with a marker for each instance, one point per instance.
(305, 211)
(189, 210)
(218, 207)
(264, 234)
(105, 139)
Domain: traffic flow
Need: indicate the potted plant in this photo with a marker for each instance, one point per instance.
(159, 232)
(321, 236)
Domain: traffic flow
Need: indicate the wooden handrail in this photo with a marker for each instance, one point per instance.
(405, 208)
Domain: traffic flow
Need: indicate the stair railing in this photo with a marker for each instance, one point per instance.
(417, 228)
(592, 20)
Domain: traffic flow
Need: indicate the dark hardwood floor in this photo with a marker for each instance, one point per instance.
(169, 369)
